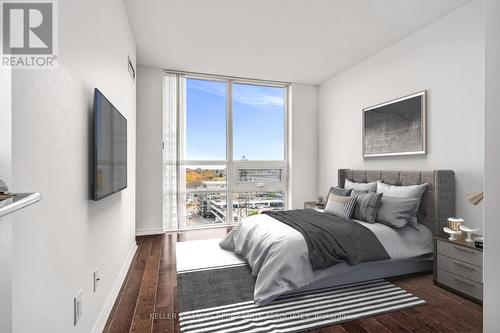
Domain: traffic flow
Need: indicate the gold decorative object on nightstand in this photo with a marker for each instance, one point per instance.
(454, 223)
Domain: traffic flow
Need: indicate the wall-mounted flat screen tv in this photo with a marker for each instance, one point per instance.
(110, 149)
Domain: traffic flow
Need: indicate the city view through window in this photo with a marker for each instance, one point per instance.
(254, 151)
(209, 207)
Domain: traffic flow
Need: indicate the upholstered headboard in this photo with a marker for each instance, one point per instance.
(438, 201)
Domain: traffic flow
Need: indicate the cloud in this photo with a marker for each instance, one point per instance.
(254, 95)
(258, 96)
(217, 88)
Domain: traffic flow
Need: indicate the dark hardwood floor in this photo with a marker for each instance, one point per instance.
(148, 299)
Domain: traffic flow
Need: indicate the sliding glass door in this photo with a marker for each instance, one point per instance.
(231, 150)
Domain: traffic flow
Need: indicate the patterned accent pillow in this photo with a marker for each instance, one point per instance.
(338, 191)
(340, 206)
(368, 187)
(367, 205)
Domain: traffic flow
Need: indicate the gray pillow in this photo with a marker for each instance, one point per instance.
(369, 187)
(367, 205)
(397, 212)
(340, 206)
(338, 191)
(410, 191)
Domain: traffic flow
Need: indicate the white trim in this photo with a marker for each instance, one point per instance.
(149, 231)
(102, 318)
(397, 154)
(202, 227)
(203, 163)
(205, 190)
(289, 148)
(181, 149)
(20, 204)
(260, 164)
(215, 77)
(229, 152)
(420, 93)
(280, 185)
(261, 187)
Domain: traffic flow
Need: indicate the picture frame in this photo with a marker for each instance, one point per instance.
(396, 127)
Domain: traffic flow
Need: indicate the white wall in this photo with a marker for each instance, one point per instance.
(304, 155)
(149, 151)
(5, 124)
(491, 168)
(59, 242)
(5, 175)
(446, 59)
(5, 274)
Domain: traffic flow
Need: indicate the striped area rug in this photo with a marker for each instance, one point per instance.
(300, 312)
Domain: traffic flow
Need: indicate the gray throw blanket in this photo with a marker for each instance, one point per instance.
(332, 240)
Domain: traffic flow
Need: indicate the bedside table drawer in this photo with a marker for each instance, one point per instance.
(460, 268)
(461, 284)
(459, 252)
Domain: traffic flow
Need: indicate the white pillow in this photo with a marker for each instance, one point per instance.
(397, 212)
(370, 187)
(409, 191)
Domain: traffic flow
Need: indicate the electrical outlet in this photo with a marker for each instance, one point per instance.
(77, 307)
(97, 278)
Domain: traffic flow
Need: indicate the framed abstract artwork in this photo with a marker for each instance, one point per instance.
(395, 127)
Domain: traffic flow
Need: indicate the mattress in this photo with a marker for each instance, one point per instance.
(345, 274)
(402, 243)
(410, 249)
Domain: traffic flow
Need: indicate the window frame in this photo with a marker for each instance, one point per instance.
(259, 187)
(231, 165)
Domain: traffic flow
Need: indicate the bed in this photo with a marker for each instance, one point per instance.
(278, 255)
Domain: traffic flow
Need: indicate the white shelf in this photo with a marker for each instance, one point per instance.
(20, 201)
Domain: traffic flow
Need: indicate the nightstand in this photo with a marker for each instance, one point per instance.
(458, 266)
(314, 205)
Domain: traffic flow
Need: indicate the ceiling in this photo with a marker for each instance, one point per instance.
(304, 41)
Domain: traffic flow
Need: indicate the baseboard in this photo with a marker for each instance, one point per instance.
(113, 294)
(152, 231)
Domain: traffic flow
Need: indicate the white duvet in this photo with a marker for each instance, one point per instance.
(278, 255)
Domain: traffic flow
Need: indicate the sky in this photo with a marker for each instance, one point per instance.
(258, 121)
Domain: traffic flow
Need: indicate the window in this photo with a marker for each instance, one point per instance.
(205, 208)
(202, 177)
(252, 203)
(258, 122)
(231, 144)
(205, 114)
(255, 176)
